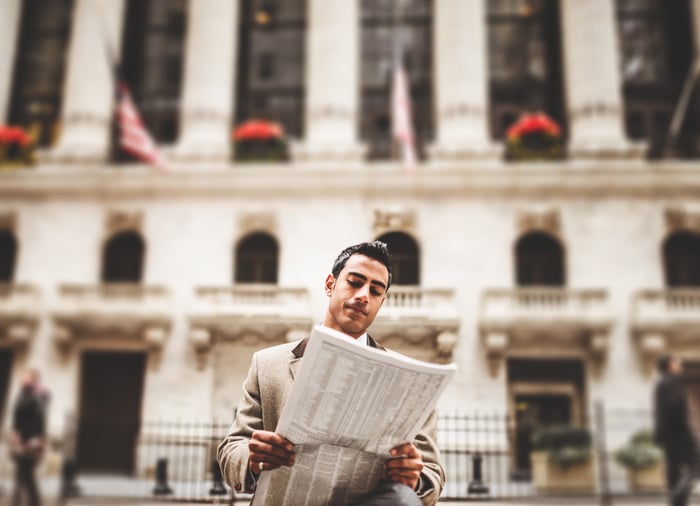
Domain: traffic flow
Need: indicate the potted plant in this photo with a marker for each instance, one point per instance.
(562, 460)
(16, 146)
(533, 137)
(643, 461)
(258, 140)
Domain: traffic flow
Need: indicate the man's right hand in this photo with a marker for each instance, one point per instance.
(268, 450)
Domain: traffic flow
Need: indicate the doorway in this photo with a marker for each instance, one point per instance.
(542, 393)
(111, 389)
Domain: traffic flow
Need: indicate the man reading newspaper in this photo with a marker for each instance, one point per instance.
(356, 288)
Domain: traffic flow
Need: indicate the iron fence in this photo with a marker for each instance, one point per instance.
(485, 456)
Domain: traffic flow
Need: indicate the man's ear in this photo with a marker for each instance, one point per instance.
(330, 284)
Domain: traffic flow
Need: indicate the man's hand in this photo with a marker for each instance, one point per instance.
(405, 466)
(268, 450)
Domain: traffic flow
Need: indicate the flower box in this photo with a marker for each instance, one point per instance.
(562, 461)
(16, 147)
(644, 463)
(259, 141)
(534, 137)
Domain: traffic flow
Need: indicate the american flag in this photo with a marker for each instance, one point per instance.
(133, 136)
(401, 123)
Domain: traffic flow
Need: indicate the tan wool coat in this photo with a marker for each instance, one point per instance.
(266, 389)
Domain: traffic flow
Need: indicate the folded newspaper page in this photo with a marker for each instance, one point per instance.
(349, 405)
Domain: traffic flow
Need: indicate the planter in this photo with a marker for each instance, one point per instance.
(550, 477)
(534, 137)
(648, 479)
(259, 141)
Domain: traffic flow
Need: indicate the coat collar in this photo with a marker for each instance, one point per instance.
(301, 347)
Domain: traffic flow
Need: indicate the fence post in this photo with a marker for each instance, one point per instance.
(162, 487)
(477, 486)
(217, 486)
(601, 450)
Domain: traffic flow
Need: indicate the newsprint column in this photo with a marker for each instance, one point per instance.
(210, 59)
(594, 82)
(89, 88)
(461, 81)
(332, 83)
(9, 41)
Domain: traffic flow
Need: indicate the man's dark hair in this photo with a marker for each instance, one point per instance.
(375, 249)
(663, 363)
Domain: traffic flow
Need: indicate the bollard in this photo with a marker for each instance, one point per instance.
(162, 487)
(477, 486)
(217, 486)
(68, 473)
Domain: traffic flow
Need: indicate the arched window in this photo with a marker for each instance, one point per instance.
(656, 46)
(405, 264)
(122, 259)
(539, 260)
(152, 63)
(40, 67)
(271, 63)
(8, 255)
(256, 259)
(525, 68)
(681, 252)
(386, 27)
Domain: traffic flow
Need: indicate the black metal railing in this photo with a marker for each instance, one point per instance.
(485, 456)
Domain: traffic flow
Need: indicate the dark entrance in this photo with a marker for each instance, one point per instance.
(542, 393)
(691, 377)
(5, 368)
(111, 389)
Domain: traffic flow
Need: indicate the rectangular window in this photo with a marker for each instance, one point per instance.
(40, 68)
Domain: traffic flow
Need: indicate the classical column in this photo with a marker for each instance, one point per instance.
(208, 85)
(332, 83)
(461, 81)
(594, 81)
(88, 101)
(695, 10)
(9, 40)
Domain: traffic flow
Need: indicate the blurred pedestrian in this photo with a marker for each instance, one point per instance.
(28, 437)
(672, 430)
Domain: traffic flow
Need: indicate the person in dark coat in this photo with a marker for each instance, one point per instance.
(672, 430)
(28, 437)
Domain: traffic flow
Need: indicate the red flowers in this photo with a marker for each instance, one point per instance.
(257, 130)
(536, 123)
(534, 136)
(14, 135)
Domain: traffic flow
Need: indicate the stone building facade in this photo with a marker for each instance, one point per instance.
(551, 284)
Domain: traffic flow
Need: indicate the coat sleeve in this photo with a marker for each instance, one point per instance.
(433, 474)
(232, 452)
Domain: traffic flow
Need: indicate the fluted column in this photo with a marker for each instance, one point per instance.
(695, 10)
(208, 86)
(9, 39)
(88, 101)
(332, 83)
(461, 81)
(594, 81)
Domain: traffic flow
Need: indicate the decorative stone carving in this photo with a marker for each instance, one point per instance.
(545, 220)
(392, 220)
(256, 222)
(120, 221)
(682, 218)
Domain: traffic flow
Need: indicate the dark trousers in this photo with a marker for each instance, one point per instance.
(25, 482)
(390, 494)
(680, 474)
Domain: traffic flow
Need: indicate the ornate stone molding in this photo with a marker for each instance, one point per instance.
(390, 220)
(545, 220)
(19, 314)
(121, 221)
(461, 110)
(596, 109)
(682, 218)
(544, 321)
(264, 221)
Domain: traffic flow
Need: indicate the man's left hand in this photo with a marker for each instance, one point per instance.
(405, 465)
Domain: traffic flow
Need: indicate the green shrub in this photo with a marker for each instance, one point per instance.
(640, 452)
(565, 445)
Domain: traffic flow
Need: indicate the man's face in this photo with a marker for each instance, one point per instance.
(356, 295)
(675, 366)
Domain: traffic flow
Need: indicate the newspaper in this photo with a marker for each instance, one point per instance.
(349, 405)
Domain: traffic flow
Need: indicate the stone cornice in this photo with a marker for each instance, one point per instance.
(572, 179)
